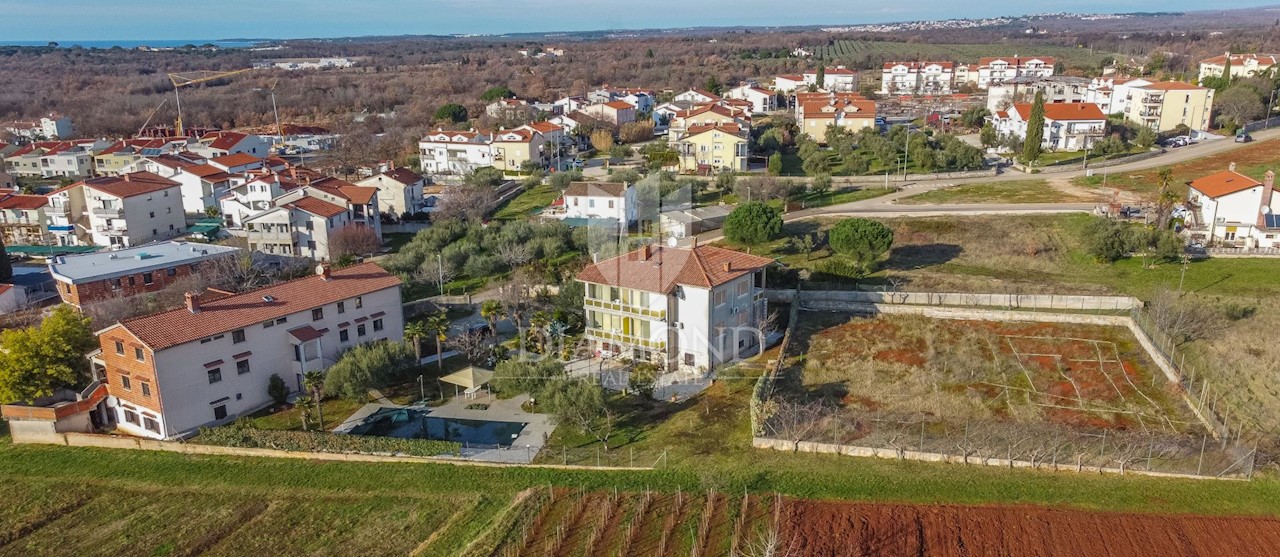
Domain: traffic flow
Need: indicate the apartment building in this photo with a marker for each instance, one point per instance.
(615, 201)
(917, 78)
(49, 127)
(454, 152)
(1242, 65)
(816, 117)
(713, 147)
(23, 219)
(1056, 89)
(994, 71)
(1111, 94)
(222, 143)
(706, 115)
(837, 78)
(513, 148)
(687, 309)
(301, 227)
(92, 277)
(1067, 126)
(120, 155)
(118, 211)
(761, 100)
(400, 190)
(209, 362)
(1166, 105)
(613, 112)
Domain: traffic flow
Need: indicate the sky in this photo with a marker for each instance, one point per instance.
(40, 20)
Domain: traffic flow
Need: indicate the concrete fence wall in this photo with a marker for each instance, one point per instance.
(892, 178)
(1023, 301)
(850, 450)
(409, 227)
(136, 443)
(1093, 163)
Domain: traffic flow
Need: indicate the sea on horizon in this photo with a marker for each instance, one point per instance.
(160, 43)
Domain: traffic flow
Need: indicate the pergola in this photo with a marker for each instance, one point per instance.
(470, 378)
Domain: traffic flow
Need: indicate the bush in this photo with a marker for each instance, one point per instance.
(483, 265)
(237, 435)
(367, 366)
(1107, 241)
(276, 389)
(753, 223)
(775, 164)
(862, 239)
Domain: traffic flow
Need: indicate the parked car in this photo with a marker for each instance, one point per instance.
(577, 164)
(1243, 137)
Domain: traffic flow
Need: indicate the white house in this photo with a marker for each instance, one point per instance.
(202, 186)
(1242, 65)
(211, 361)
(601, 200)
(688, 309)
(454, 152)
(788, 83)
(838, 78)
(126, 210)
(613, 112)
(762, 100)
(217, 144)
(300, 228)
(697, 96)
(1067, 126)
(909, 78)
(993, 71)
(1112, 94)
(1236, 210)
(1056, 89)
(53, 126)
(399, 190)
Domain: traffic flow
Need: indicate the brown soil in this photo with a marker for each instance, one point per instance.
(818, 528)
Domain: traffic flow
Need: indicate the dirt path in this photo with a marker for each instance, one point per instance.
(1097, 195)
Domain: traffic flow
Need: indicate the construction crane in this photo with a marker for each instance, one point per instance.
(153, 115)
(184, 79)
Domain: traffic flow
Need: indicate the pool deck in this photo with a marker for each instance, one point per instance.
(522, 451)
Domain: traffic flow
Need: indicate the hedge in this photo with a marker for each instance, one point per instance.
(323, 442)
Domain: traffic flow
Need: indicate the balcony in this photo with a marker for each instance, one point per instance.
(111, 230)
(628, 340)
(110, 212)
(1153, 100)
(274, 236)
(660, 315)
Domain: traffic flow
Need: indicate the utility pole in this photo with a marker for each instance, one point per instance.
(1270, 108)
(440, 269)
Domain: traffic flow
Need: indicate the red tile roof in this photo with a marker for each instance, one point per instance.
(129, 185)
(1017, 61)
(546, 127)
(1172, 86)
(1264, 60)
(1224, 183)
(206, 170)
(731, 129)
(236, 159)
(179, 326)
(223, 140)
(305, 333)
(660, 269)
(829, 109)
(596, 189)
(317, 206)
(176, 161)
(23, 202)
(404, 175)
(1062, 111)
(361, 195)
(619, 105)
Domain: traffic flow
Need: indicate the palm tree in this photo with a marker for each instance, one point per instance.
(415, 331)
(491, 311)
(303, 404)
(539, 321)
(314, 382)
(438, 325)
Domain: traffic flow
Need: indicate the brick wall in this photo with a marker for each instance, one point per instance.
(97, 290)
(127, 364)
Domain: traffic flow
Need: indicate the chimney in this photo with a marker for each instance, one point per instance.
(1264, 205)
(126, 177)
(1231, 167)
(727, 267)
(645, 254)
(392, 164)
(193, 302)
(324, 272)
(694, 243)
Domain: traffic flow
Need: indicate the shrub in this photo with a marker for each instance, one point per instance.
(237, 435)
(276, 389)
(753, 223)
(862, 239)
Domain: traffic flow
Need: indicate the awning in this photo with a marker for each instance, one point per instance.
(305, 333)
(469, 377)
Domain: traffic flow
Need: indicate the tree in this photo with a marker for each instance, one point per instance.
(34, 361)
(713, 85)
(775, 164)
(6, 266)
(1145, 137)
(512, 377)
(822, 77)
(1107, 240)
(1166, 197)
(438, 325)
(864, 240)
(1239, 104)
(821, 184)
(353, 240)
(303, 404)
(451, 112)
(988, 136)
(602, 141)
(276, 389)
(475, 346)
(753, 223)
(648, 53)
(1031, 148)
(581, 403)
(635, 132)
(491, 311)
(494, 93)
(313, 381)
(365, 367)
(415, 331)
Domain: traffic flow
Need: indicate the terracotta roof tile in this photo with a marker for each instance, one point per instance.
(1224, 183)
(179, 326)
(404, 175)
(1062, 111)
(23, 202)
(596, 189)
(131, 184)
(660, 269)
(317, 206)
(224, 140)
(236, 159)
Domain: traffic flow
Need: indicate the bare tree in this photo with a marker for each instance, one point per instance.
(516, 296)
(515, 254)
(435, 271)
(1183, 319)
(797, 421)
(353, 240)
(475, 345)
(465, 202)
(767, 543)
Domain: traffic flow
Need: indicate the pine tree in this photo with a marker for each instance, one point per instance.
(1035, 130)
(6, 268)
(822, 77)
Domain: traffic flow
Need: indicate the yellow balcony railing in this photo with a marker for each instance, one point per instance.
(625, 308)
(624, 339)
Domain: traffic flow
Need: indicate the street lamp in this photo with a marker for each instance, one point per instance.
(422, 389)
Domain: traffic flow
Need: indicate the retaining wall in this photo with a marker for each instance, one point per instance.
(1024, 301)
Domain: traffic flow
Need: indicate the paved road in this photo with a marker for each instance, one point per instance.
(884, 206)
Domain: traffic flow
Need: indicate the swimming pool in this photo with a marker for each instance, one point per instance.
(410, 423)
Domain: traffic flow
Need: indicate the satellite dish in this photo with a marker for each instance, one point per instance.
(672, 241)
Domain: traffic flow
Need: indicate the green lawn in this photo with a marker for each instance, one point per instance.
(838, 196)
(336, 409)
(1021, 191)
(528, 202)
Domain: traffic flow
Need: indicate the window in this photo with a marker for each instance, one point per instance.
(344, 335)
(119, 348)
(268, 324)
(237, 336)
(282, 320)
(342, 307)
(591, 203)
(359, 302)
(220, 412)
(115, 284)
(377, 325)
(151, 424)
(719, 298)
(148, 278)
(215, 375)
(137, 353)
(171, 271)
(317, 314)
(610, 203)
(742, 288)
(242, 367)
(688, 359)
(125, 383)
(132, 280)
(146, 389)
(360, 330)
(131, 417)
(311, 245)
(153, 214)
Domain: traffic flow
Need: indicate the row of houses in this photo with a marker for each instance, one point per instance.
(97, 157)
(945, 78)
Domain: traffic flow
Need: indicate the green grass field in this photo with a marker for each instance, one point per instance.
(1021, 191)
(529, 201)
